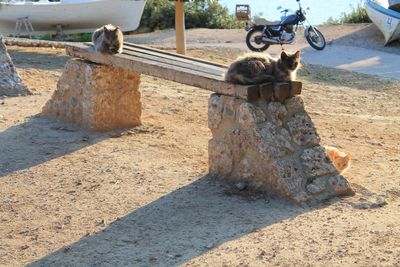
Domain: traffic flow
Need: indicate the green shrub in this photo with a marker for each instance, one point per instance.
(81, 37)
(357, 14)
(77, 37)
(160, 14)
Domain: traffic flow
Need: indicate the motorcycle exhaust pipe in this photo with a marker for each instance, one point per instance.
(274, 41)
(269, 40)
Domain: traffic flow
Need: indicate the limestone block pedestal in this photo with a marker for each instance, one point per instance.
(96, 97)
(10, 82)
(272, 147)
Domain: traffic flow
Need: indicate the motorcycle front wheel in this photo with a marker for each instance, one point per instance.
(315, 38)
(254, 41)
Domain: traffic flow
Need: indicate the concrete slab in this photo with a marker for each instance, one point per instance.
(386, 65)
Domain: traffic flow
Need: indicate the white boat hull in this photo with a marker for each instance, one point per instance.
(388, 21)
(75, 16)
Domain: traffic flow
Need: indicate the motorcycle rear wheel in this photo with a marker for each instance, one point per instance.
(253, 41)
(315, 38)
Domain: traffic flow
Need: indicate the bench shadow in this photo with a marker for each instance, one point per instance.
(175, 228)
(43, 61)
(39, 140)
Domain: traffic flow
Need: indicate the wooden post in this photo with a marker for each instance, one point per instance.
(180, 27)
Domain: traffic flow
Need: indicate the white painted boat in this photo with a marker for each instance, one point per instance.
(75, 16)
(387, 20)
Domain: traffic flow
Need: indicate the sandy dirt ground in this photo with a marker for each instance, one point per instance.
(142, 197)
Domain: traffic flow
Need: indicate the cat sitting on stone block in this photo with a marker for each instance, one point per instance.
(108, 39)
(257, 68)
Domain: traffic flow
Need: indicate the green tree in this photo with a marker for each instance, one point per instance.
(160, 14)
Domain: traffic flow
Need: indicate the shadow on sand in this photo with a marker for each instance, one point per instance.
(35, 59)
(169, 231)
(368, 37)
(175, 228)
(39, 140)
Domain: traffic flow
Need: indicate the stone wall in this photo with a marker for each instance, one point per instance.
(96, 97)
(271, 147)
(10, 82)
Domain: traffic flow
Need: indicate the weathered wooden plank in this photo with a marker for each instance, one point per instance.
(295, 88)
(164, 71)
(146, 66)
(176, 59)
(186, 65)
(280, 91)
(267, 91)
(175, 55)
(153, 60)
(171, 58)
(170, 66)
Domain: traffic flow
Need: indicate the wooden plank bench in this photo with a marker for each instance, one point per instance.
(183, 69)
(101, 92)
(258, 137)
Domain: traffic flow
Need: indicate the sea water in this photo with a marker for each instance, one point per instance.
(320, 10)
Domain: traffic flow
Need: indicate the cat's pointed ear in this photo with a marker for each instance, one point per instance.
(284, 55)
(105, 28)
(297, 55)
(348, 156)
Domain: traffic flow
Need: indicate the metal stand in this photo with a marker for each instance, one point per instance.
(28, 27)
(60, 34)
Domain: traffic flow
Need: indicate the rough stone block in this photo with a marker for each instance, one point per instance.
(272, 141)
(10, 82)
(250, 115)
(221, 154)
(216, 106)
(295, 105)
(316, 163)
(96, 97)
(286, 177)
(272, 147)
(303, 130)
(322, 187)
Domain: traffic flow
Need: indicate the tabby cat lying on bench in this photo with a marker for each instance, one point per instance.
(257, 68)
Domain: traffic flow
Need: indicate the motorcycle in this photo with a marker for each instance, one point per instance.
(260, 36)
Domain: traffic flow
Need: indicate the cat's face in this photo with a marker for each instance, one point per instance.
(341, 162)
(292, 62)
(111, 38)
